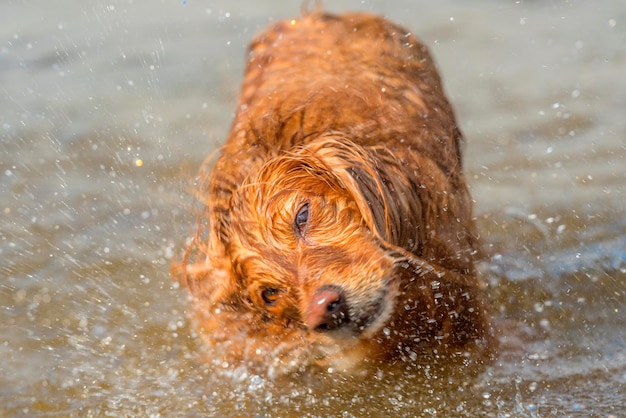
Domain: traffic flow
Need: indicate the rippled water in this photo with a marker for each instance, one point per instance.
(108, 108)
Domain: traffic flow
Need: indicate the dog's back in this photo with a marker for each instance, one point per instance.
(355, 73)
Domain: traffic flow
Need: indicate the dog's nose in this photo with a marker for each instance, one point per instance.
(327, 310)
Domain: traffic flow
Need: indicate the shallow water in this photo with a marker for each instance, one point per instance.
(108, 108)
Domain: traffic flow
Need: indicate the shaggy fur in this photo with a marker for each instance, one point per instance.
(338, 223)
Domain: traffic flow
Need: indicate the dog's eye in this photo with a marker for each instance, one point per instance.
(302, 217)
(269, 295)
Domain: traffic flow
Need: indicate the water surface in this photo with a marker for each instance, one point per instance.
(108, 108)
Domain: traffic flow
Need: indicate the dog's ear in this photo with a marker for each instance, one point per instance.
(207, 273)
(205, 269)
(405, 198)
(388, 199)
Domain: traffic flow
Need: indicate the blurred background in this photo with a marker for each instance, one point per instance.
(107, 109)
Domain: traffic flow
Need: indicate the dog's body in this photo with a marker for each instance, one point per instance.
(339, 220)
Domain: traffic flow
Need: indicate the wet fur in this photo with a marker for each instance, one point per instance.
(347, 115)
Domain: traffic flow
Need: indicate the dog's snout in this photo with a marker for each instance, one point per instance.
(328, 310)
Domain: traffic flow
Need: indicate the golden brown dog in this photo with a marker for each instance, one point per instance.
(338, 223)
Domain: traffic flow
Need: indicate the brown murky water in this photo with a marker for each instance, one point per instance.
(108, 108)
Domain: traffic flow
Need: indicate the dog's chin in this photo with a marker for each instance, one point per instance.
(344, 354)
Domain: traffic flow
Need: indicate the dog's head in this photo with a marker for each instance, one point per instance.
(308, 239)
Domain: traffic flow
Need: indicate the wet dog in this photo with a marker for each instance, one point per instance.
(338, 225)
